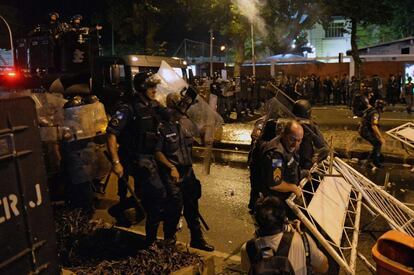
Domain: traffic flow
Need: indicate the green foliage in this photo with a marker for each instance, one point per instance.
(375, 34)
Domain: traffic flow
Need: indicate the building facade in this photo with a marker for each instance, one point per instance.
(329, 42)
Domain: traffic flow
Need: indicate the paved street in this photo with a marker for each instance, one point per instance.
(333, 117)
(224, 206)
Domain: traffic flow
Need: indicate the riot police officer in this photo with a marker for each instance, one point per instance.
(369, 130)
(76, 21)
(173, 151)
(314, 147)
(280, 162)
(264, 130)
(138, 118)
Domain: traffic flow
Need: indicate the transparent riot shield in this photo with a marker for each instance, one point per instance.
(200, 112)
(85, 121)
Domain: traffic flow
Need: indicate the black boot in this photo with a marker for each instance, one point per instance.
(197, 241)
(139, 215)
(117, 212)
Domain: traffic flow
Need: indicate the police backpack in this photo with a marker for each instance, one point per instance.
(278, 264)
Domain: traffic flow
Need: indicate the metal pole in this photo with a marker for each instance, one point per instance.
(10, 37)
(211, 53)
(253, 53)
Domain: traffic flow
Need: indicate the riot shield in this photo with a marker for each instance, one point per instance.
(280, 105)
(200, 112)
(85, 121)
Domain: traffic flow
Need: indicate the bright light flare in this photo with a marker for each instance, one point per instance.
(12, 74)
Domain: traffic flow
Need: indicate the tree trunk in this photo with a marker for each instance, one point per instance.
(239, 58)
(354, 48)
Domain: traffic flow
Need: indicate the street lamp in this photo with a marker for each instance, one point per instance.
(10, 37)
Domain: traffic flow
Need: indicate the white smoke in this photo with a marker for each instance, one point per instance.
(251, 10)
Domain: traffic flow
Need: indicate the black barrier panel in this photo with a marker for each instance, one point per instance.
(27, 232)
(22, 53)
(41, 52)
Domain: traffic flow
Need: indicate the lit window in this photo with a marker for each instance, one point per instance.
(335, 29)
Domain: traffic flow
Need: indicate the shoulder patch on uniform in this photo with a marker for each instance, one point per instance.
(115, 122)
(277, 174)
(277, 163)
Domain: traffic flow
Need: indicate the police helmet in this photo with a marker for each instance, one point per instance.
(73, 102)
(144, 80)
(380, 104)
(54, 14)
(302, 108)
(173, 100)
(76, 17)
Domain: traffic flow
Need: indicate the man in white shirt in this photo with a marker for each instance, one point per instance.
(271, 220)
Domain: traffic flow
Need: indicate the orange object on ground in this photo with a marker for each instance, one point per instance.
(394, 253)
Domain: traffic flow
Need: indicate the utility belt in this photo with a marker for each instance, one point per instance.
(144, 162)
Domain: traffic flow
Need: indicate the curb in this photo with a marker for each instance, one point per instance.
(214, 262)
(238, 158)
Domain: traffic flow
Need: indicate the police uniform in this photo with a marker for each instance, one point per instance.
(371, 117)
(139, 121)
(262, 133)
(177, 149)
(175, 141)
(312, 139)
(279, 165)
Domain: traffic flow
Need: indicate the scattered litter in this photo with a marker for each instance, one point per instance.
(86, 247)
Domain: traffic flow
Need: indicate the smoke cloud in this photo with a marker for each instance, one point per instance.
(251, 10)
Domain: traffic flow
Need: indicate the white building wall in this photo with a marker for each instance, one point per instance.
(328, 46)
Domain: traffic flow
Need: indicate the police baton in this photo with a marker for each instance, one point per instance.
(124, 181)
(202, 220)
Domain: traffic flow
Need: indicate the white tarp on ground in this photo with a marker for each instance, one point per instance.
(329, 205)
(403, 133)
